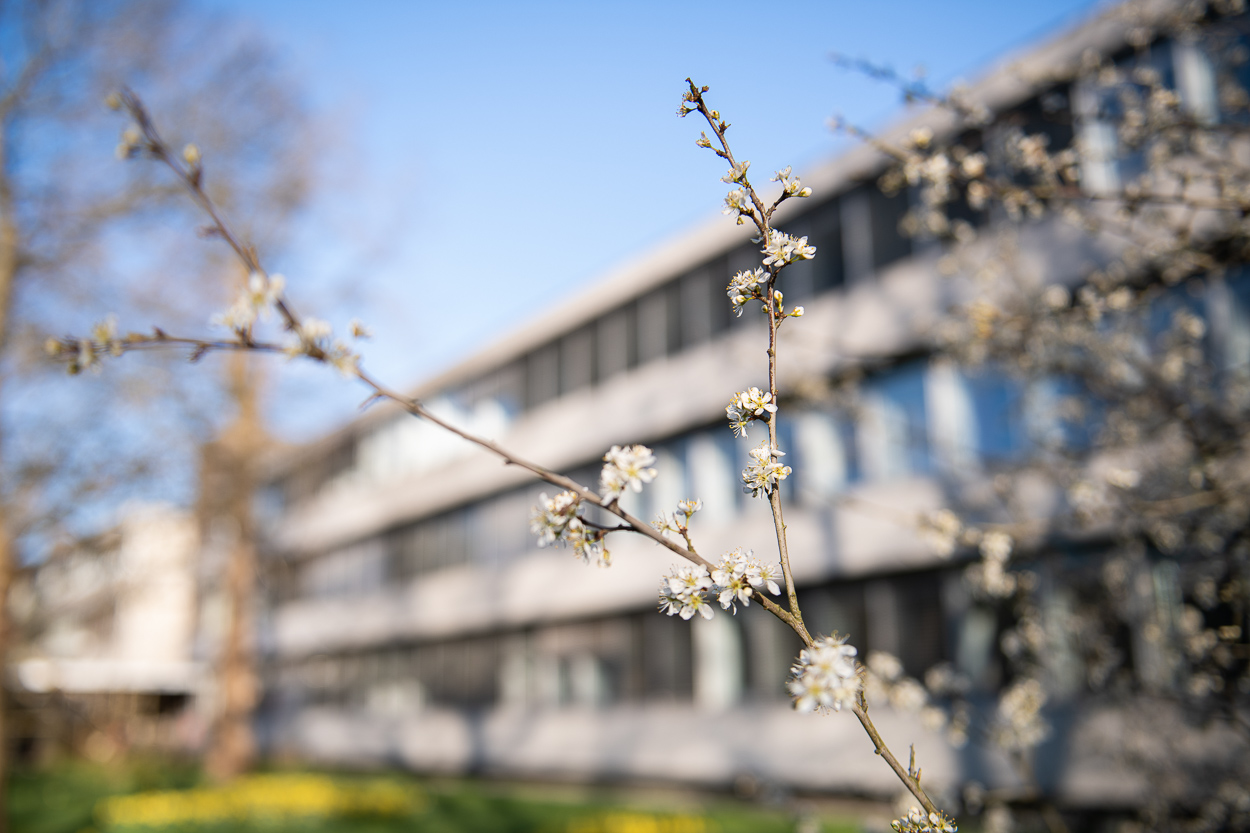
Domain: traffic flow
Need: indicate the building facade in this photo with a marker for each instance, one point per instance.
(107, 662)
(412, 619)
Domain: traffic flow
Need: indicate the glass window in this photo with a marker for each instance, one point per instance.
(577, 360)
(713, 477)
(718, 662)
(892, 431)
(695, 307)
(888, 241)
(1106, 164)
(856, 220)
(1195, 81)
(823, 455)
(666, 657)
(1228, 305)
(542, 375)
(655, 323)
(975, 416)
(828, 271)
(617, 349)
(921, 622)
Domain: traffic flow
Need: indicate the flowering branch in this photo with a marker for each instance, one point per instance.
(826, 675)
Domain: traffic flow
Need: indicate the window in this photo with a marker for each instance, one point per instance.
(542, 375)
(617, 337)
(892, 431)
(888, 242)
(577, 360)
(824, 455)
(657, 324)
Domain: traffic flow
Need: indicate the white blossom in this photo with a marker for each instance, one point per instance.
(1020, 725)
(341, 357)
(358, 329)
(791, 186)
(681, 592)
(104, 334)
(990, 575)
(744, 286)
(825, 676)
(746, 406)
(558, 520)
(1124, 478)
(312, 330)
(996, 546)
(550, 519)
(885, 665)
(626, 468)
(916, 821)
(763, 473)
(737, 172)
(781, 248)
(940, 529)
(689, 507)
(738, 575)
(256, 301)
(737, 204)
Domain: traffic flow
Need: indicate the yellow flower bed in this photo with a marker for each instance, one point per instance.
(253, 797)
(625, 822)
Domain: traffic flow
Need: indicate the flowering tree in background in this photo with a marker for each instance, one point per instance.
(1115, 544)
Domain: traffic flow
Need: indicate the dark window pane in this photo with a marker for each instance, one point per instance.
(577, 360)
(542, 375)
(617, 350)
(666, 658)
(888, 242)
(654, 325)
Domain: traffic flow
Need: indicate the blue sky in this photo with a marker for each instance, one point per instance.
(483, 160)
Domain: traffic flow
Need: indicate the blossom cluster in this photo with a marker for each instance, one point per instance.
(1020, 723)
(990, 576)
(558, 520)
(84, 353)
(886, 681)
(624, 468)
(825, 676)
(315, 338)
(682, 592)
(746, 406)
(738, 575)
(763, 472)
(256, 301)
(791, 186)
(737, 205)
(745, 286)
(916, 821)
(668, 523)
(734, 580)
(781, 249)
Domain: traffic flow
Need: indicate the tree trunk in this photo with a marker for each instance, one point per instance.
(229, 493)
(8, 273)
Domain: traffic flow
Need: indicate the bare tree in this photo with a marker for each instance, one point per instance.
(68, 221)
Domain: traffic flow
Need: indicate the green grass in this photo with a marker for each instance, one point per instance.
(63, 799)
